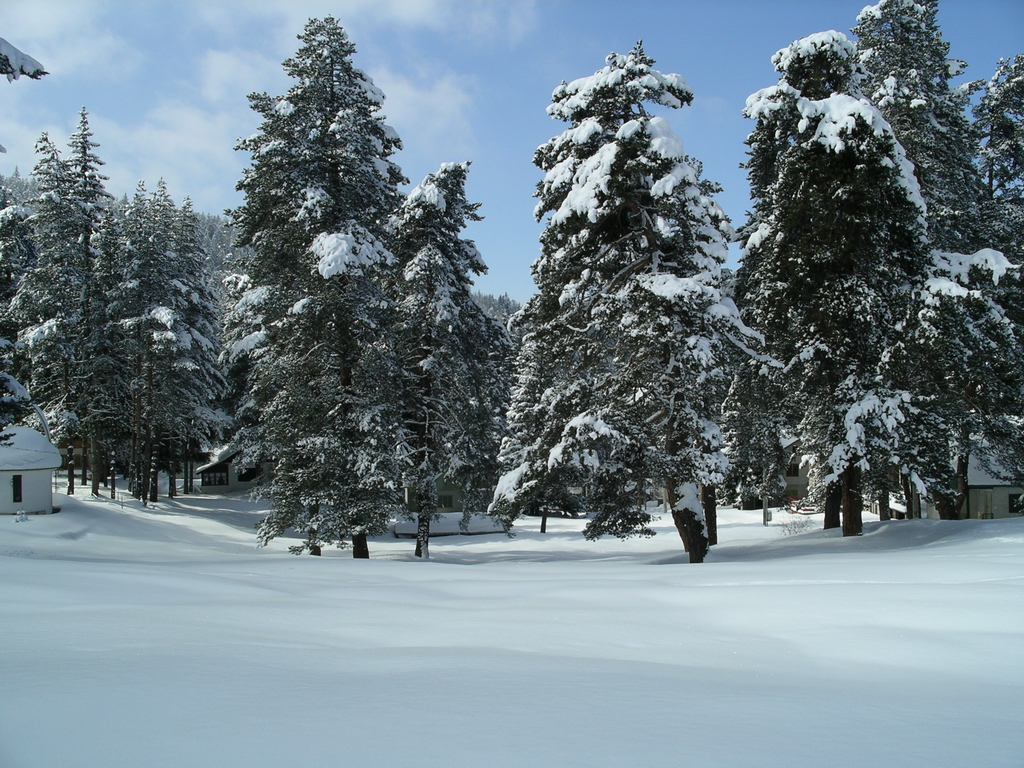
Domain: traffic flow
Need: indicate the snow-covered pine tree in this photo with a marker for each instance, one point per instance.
(966, 336)
(835, 247)
(317, 197)
(17, 252)
(755, 419)
(47, 307)
(138, 306)
(999, 117)
(14, 398)
(196, 422)
(15, 63)
(501, 308)
(107, 357)
(908, 78)
(92, 202)
(620, 375)
(454, 352)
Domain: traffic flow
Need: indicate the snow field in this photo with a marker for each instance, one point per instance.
(162, 637)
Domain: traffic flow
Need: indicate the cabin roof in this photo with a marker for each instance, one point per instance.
(28, 449)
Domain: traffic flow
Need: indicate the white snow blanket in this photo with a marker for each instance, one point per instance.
(164, 638)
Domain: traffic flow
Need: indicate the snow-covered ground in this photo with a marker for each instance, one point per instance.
(163, 637)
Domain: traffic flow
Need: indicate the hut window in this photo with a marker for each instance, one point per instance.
(445, 501)
(1015, 507)
(215, 477)
(16, 488)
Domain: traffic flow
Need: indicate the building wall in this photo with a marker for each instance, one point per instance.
(234, 484)
(796, 477)
(36, 492)
(993, 503)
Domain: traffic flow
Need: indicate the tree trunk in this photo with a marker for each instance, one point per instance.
(85, 463)
(172, 480)
(690, 527)
(544, 521)
(186, 468)
(154, 471)
(691, 531)
(884, 512)
(853, 502)
(833, 505)
(71, 468)
(113, 480)
(945, 505)
(98, 460)
(360, 547)
(710, 505)
(145, 465)
(154, 482)
(907, 499)
(962, 467)
(423, 536)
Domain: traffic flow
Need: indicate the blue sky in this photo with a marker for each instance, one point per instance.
(165, 84)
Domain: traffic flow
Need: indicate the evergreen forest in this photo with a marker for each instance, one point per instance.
(327, 330)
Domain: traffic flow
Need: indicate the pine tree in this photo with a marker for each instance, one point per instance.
(91, 203)
(902, 47)
(106, 355)
(620, 374)
(317, 197)
(138, 306)
(908, 79)
(52, 306)
(14, 398)
(15, 63)
(832, 256)
(195, 422)
(999, 118)
(47, 307)
(17, 251)
(968, 338)
(501, 308)
(453, 351)
(755, 420)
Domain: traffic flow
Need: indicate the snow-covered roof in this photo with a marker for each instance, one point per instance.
(28, 449)
(980, 476)
(224, 454)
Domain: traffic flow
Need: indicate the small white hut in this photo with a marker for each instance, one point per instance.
(27, 462)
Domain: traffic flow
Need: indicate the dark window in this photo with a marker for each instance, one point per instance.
(793, 470)
(1015, 505)
(215, 477)
(444, 501)
(249, 474)
(16, 488)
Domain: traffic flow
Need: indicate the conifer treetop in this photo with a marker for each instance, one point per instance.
(820, 89)
(321, 163)
(619, 88)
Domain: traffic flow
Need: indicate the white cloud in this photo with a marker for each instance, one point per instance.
(189, 147)
(227, 77)
(485, 21)
(179, 117)
(431, 113)
(71, 39)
